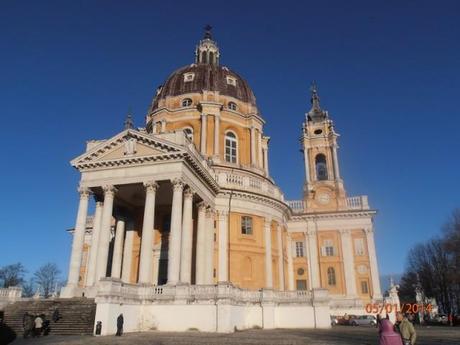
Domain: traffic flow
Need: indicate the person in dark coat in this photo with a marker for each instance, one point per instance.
(56, 316)
(27, 324)
(120, 321)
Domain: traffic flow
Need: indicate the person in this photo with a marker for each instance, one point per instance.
(38, 325)
(406, 329)
(387, 335)
(120, 321)
(56, 316)
(27, 324)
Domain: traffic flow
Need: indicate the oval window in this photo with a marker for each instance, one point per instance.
(318, 131)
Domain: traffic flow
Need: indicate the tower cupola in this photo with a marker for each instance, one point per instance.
(207, 51)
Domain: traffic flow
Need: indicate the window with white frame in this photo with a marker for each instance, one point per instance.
(232, 106)
(328, 248)
(189, 133)
(231, 80)
(359, 246)
(246, 225)
(299, 249)
(189, 77)
(231, 147)
(186, 102)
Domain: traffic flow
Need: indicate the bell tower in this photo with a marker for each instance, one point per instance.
(323, 186)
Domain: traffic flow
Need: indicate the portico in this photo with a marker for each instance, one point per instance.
(133, 219)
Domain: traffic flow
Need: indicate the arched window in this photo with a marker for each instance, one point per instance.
(186, 102)
(331, 276)
(231, 147)
(321, 167)
(211, 58)
(203, 57)
(189, 133)
(232, 106)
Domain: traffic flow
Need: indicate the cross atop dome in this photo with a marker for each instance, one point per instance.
(207, 51)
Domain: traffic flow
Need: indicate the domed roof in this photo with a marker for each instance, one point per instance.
(206, 77)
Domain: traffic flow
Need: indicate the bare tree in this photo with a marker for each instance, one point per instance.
(435, 264)
(12, 275)
(46, 277)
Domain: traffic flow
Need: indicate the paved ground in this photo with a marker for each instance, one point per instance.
(339, 335)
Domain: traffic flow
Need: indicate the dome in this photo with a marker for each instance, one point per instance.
(206, 77)
(206, 74)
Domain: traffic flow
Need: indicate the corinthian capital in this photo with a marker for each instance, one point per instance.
(369, 230)
(84, 192)
(151, 186)
(109, 190)
(188, 193)
(345, 232)
(178, 184)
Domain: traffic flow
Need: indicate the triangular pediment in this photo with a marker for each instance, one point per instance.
(129, 146)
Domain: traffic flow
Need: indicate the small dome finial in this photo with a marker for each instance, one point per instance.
(314, 96)
(207, 32)
(316, 113)
(129, 124)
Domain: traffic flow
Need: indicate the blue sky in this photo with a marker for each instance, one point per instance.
(388, 72)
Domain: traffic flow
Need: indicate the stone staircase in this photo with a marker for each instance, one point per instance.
(76, 315)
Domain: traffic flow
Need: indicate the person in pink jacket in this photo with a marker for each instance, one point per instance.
(387, 334)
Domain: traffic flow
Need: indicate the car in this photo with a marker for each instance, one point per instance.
(363, 320)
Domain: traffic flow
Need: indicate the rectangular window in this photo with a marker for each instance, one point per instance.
(301, 284)
(364, 287)
(299, 249)
(246, 225)
(328, 248)
(359, 246)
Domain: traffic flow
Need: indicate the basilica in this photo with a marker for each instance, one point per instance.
(180, 225)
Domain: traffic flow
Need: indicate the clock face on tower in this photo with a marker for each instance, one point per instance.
(324, 198)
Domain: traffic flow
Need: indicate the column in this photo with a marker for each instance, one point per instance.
(204, 129)
(216, 135)
(290, 267)
(92, 264)
(253, 146)
(307, 163)
(146, 255)
(175, 233)
(163, 125)
(280, 258)
(259, 146)
(128, 253)
(377, 294)
(348, 263)
(104, 236)
(313, 259)
(266, 161)
(118, 249)
(209, 257)
(223, 246)
(336, 162)
(187, 238)
(78, 237)
(268, 254)
(200, 243)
